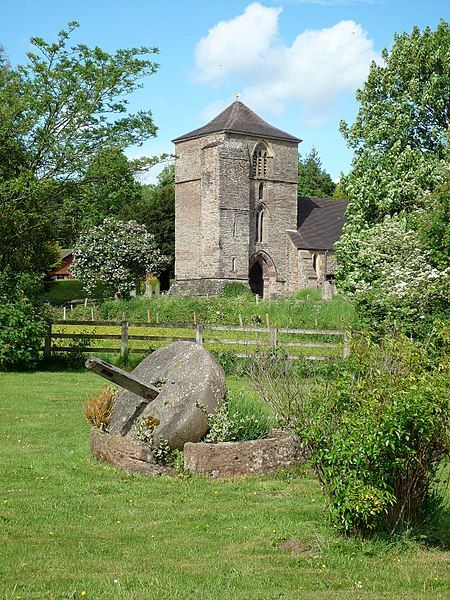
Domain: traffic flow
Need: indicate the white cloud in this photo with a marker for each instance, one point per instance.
(316, 69)
(237, 45)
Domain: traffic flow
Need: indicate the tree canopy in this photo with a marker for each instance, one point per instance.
(400, 135)
(58, 112)
(156, 210)
(107, 187)
(313, 180)
(395, 243)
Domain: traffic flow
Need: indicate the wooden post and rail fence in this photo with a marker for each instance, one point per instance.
(269, 337)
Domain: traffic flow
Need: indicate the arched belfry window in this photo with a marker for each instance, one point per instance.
(260, 223)
(260, 160)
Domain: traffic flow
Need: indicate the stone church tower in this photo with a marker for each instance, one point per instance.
(235, 200)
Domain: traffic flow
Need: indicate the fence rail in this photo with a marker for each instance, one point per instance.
(271, 337)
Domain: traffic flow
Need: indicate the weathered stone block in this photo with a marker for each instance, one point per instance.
(129, 455)
(228, 459)
(186, 374)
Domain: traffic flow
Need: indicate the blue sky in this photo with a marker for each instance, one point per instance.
(296, 62)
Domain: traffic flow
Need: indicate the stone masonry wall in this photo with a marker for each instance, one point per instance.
(234, 207)
(280, 200)
(188, 208)
(311, 278)
(216, 199)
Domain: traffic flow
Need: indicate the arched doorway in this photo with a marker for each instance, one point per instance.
(256, 280)
(262, 274)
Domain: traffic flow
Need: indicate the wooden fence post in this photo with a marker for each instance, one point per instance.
(48, 342)
(124, 339)
(241, 323)
(267, 321)
(64, 313)
(273, 337)
(346, 348)
(199, 334)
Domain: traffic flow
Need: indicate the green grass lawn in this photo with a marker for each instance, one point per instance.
(72, 527)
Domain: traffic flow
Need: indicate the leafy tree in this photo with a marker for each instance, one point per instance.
(313, 180)
(116, 255)
(156, 210)
(106, 189)
(400, 139)
(56, 113)
(434, 226)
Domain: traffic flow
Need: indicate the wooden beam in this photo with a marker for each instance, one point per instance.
(131, 383)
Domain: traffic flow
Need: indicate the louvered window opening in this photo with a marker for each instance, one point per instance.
(260, 163)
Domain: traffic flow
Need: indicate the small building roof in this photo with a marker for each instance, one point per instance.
(319, 223)
(238, 118)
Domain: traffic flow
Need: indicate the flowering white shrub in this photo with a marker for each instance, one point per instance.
(386, 268)
(115, 254)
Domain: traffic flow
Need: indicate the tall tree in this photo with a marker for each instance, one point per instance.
(401, 143)
(156, 210)
(313, 180)
(56, 113)
(107, 187)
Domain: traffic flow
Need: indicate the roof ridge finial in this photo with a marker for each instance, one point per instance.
(238, 97)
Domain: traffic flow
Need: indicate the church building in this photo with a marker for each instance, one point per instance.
(238, 217)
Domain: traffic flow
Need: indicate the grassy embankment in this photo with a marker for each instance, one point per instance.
(302, 310)
(74, 528)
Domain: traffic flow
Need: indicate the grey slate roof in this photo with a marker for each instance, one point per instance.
(238, 118)
(319, 223)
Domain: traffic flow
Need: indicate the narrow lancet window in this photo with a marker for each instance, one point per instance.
(259, 224)
(233, 265)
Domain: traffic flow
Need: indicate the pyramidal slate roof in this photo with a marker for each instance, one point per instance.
(319, 223)
(238, 118)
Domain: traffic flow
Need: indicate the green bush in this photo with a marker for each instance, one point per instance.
(377, 436)
(60, 292)
(23, 322)
(236, 290)
(238, 419)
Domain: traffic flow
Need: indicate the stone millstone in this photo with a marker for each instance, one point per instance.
(186, 374)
